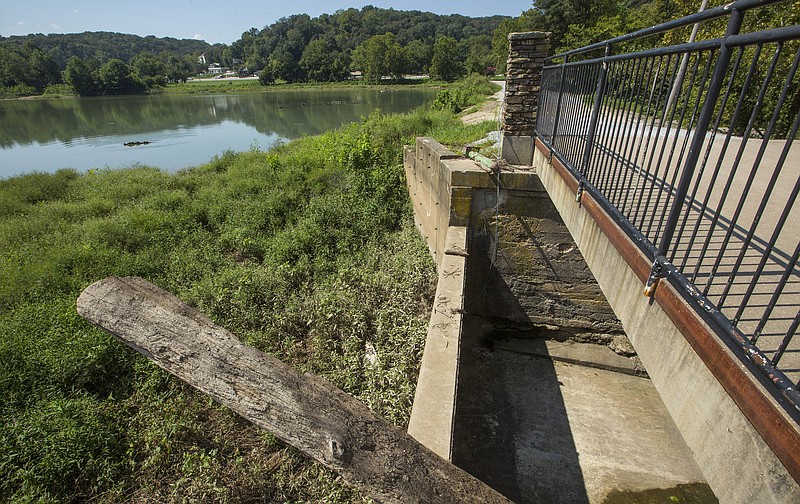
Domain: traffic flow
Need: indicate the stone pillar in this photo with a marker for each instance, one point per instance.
(526, 54)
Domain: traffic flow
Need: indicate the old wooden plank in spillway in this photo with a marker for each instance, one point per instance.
(303, 410)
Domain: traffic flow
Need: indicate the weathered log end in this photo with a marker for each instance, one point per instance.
(305, 411)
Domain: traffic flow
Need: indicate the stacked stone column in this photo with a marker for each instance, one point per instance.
(526, 55)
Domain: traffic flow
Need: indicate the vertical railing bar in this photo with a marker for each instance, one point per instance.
(781, 222)
(639, 112)
(668, 110)
(750, 178)
(599, 163)
(768, 191)
(592, 76)
(572, 114)
(670, 171)
(568, 136)
(776, 358)
(714, 88)
(613, 129)
(629, 107)
(563, 129)
(617, 124)
(577, 140)
(553, 101)
(688, 202)
(636, 199)
(592, 131)
(591, 169)
(544, 104)
(680, 161)
(716, 214)
(675, 130)
(706, 157)
(558, 102)
(660, 120)
(636, 170)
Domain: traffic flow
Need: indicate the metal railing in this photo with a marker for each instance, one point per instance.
(691, 149)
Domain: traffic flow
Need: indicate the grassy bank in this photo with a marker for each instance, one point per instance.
(241, 86)
(306, 251)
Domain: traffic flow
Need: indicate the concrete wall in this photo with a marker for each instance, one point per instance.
(521, 228)
(441, 185)
(540, 286)
(733, 455)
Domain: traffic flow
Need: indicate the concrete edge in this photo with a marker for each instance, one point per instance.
(433, 411)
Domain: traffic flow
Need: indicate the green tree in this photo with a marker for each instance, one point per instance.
(284, 66)
(116, 78)
(177, 69)
(27, 67)
(447, 63)
(530, 20)
(479, 54)
(266, 77)
(321, 62)
(82, 75)
(378, 56)
(149, 70)
(419, 55)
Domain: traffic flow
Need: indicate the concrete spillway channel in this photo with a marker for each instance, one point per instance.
(528, 381)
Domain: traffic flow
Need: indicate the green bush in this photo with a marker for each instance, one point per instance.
(471, 90)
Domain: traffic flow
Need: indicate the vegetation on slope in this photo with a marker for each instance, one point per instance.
(306, 251)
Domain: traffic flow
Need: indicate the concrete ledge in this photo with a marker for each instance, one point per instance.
(434, 401)
(719, 434)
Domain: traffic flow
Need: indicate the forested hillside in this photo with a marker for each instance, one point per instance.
(104, 46)
(294, 49)
(31, 63)
(377, 43)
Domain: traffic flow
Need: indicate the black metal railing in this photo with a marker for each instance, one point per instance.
(691, 149)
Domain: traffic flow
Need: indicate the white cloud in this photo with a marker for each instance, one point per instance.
(55, 26)
(75, 11)
(198, 36)
(21, 23)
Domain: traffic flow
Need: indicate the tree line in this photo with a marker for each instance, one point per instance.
(95, 63)
(376, 42)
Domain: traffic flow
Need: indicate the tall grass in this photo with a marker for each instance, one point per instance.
(306, 251)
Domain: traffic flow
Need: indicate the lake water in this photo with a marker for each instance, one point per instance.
(183, 131)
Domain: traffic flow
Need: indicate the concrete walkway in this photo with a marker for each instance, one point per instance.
(542, 430)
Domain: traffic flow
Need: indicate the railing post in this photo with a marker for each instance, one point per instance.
(592, 131)
(696, 146)
(558, 105)
(526, 55)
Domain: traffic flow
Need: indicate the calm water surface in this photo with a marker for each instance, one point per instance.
(183, 131)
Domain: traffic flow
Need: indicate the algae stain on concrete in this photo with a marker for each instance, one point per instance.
(691, 493)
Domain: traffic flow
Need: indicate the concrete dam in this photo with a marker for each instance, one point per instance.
(568, 358)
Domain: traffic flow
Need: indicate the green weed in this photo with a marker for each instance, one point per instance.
(306, 251)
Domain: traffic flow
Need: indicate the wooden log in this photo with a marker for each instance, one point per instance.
(305, 411)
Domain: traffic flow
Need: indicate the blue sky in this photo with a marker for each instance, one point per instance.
(212, 21)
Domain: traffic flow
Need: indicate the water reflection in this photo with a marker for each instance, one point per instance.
(44, 135)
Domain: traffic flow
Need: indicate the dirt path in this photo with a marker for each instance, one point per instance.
(490, 109)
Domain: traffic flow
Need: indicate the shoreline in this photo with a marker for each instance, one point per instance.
(246, 85)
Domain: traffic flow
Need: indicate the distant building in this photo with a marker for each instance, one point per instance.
(202, 59)
(216, 68)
